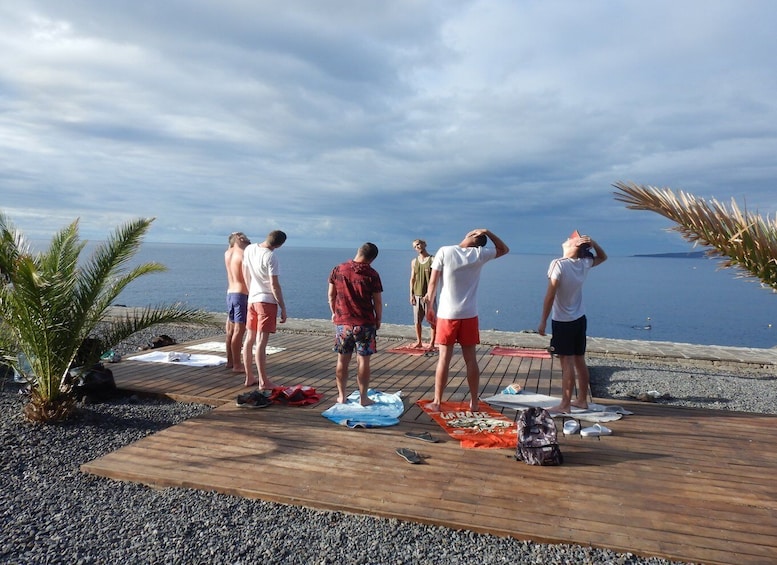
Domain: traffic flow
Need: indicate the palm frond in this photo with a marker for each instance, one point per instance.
(53, 300)
(746, 241)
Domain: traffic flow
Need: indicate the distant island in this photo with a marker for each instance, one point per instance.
(686, 255)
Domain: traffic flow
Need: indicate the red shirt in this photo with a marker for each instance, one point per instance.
(355, 283)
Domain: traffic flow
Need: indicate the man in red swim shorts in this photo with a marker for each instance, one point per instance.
(456, 272)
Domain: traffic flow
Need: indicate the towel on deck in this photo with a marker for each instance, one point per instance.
(297, 395)
(177, 358)
(519, 352)
(385, 412)
(484, 429)
(523, 400)
(221, 346)
(407, 350)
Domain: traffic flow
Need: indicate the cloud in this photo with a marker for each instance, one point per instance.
(347, 121)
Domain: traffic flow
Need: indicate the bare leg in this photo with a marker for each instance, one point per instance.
(248, 362)
(234, 346)
(341, 374)
(441, 376)
(363, 379)
(583, 382)
(229, 328)
(567, 383)
(432, 335)
(261, 361)
(418, 342)
(473, 375)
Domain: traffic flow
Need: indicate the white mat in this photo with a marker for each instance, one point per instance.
(222, 347)
(523, 400)
(194, 359)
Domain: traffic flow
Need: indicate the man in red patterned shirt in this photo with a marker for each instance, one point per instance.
(355, 299)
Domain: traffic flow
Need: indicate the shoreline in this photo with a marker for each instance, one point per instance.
(676, 353)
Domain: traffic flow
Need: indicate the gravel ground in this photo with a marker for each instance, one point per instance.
(53, 513)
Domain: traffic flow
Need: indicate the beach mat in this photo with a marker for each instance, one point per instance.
(385, 412)
(176, 358)
(521, 401)
(521, 352)
(222, 347)
(407, 350)
(484, 429)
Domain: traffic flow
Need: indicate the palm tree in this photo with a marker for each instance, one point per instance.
(746, 240)
(52, 301)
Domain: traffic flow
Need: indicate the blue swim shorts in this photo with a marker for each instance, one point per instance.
(237, 307)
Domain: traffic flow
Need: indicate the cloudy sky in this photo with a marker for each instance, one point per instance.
(344, 121)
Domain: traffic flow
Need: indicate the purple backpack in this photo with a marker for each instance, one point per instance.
(537, 443)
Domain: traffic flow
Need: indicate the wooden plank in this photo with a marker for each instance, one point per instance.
(663, 484)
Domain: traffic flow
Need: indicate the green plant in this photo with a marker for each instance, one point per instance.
(52, 301)
(746, 240)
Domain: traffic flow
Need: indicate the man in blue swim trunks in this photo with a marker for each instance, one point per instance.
(237, 299)
(355, 299)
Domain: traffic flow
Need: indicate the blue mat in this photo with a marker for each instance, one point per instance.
(386, 411)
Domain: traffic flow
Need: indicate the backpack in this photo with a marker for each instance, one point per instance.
(537, 444)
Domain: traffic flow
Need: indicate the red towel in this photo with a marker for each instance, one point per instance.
(297, 395)
(519, 352)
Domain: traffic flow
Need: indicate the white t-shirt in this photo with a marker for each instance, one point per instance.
(259, 266)
(460, 274)
(570, 274)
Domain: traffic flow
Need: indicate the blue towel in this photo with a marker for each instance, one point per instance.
(385, 412)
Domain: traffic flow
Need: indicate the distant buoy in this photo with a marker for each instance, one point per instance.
(647, 326)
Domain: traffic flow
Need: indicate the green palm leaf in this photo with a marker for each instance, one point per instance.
(745, 240)
(53, 300)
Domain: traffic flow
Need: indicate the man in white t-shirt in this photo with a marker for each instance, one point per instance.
(564, 303)
(265, 299)
(456, 272)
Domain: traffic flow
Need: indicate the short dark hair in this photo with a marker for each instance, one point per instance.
(481, 240)
(276, 238)
(369, 251)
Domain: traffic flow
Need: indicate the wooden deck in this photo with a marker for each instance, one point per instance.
(683, 484)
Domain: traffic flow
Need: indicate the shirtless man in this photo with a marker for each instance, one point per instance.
(237, 300)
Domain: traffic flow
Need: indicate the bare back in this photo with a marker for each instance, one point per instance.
(233, 260)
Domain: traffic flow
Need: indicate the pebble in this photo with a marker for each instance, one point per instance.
(51, 512)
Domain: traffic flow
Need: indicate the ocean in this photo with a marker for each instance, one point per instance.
(685, 300)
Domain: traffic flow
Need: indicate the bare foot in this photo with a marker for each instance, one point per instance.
(268, 385)
(240, 369)
(474, 406)
(367, 402)
(251, 382)
(341, 400)
(228, 366)
(579, 404)
(559, 409)
(433, 407)
(417, 345)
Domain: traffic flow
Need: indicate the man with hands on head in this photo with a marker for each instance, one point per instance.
(564, 303)
(456, 274)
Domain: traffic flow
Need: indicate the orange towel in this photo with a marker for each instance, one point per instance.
(484, 429)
